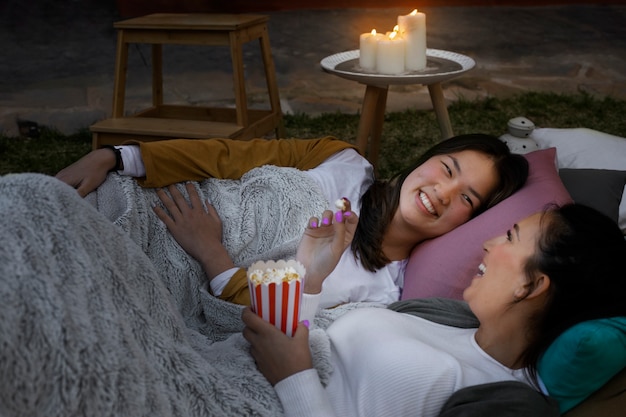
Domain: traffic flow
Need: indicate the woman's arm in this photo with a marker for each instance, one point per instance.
(322, 245)
(303, 395)
(172, 161)
(197, 231)
(278, 356)
(287, 364)
(86, 174)
(286, 361)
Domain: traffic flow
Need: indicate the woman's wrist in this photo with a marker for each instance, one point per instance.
(118, 163)
(312, 287)
(215, 261)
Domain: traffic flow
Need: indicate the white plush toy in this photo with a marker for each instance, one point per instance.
(518, 139)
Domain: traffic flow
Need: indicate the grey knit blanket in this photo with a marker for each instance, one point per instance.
(263, 214)
(94, 324)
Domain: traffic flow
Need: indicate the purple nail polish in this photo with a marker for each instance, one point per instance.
(325, 221)
(313, 224)
(306, 323)
(339, 216)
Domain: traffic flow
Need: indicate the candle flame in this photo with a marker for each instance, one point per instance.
(396, 28)
(414, 12)
(373, 32)
(393, 34)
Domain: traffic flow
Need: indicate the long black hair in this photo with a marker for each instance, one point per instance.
(583, 252)
(380, 201)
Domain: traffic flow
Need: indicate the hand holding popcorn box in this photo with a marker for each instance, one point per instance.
(276, 292)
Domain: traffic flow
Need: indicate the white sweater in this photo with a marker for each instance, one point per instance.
(391, 364)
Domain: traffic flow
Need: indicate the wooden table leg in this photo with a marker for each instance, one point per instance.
(239, 82)
(272, 84)
(119, 86)
(371, 121)
(377, 126)
(441, 111)
(157, 75)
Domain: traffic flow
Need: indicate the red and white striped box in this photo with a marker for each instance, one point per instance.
(276, 292)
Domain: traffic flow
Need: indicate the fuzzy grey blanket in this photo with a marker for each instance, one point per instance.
(89, 326)
(263, 215)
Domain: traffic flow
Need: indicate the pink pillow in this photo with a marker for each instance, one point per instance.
(445, 266)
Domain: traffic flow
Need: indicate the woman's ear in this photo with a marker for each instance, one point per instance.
(540, 287)
(533, 289)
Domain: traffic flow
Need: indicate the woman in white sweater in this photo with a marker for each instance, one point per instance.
(533, 283)
(453, 181)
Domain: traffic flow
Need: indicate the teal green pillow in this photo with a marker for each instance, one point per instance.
(583, 359)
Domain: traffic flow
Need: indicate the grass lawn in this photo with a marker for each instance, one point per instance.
(405, 134)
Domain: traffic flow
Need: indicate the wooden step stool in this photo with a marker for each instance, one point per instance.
(162, 121)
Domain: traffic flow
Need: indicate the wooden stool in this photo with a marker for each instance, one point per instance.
(162, 121)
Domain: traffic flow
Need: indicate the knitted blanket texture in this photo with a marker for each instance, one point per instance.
(263, 217)
(103, 320)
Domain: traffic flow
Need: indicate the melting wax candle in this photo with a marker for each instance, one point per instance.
(368, 44)
(413, 30)
(390, 54)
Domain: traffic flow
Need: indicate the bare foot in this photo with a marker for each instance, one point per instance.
(323, 244)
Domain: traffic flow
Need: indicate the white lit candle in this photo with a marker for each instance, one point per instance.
(390, 54)
(413, 30)
(368, 43)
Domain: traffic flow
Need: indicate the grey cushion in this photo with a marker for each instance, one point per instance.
(601, 189)
(499, 399)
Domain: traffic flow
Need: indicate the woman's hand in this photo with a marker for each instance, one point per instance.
(88, 172)
(197, 231)
(277, 355)
(323, 244)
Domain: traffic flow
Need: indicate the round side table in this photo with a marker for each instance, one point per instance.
(441, 66)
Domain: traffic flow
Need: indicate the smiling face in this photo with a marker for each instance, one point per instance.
(444, 192)
(502, 278)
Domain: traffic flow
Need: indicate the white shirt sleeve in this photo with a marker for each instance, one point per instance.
(309, 306)
(344, 174)
(218, 283)
(303, 395)
(132, 160)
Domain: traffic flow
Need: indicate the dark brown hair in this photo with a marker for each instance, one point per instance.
(380, 201)
(583, 252)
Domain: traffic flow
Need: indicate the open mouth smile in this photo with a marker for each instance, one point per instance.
(426, 202)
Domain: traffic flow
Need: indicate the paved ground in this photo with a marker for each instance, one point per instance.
(57, 61)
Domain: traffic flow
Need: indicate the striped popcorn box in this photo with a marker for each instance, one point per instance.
(276, 292)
